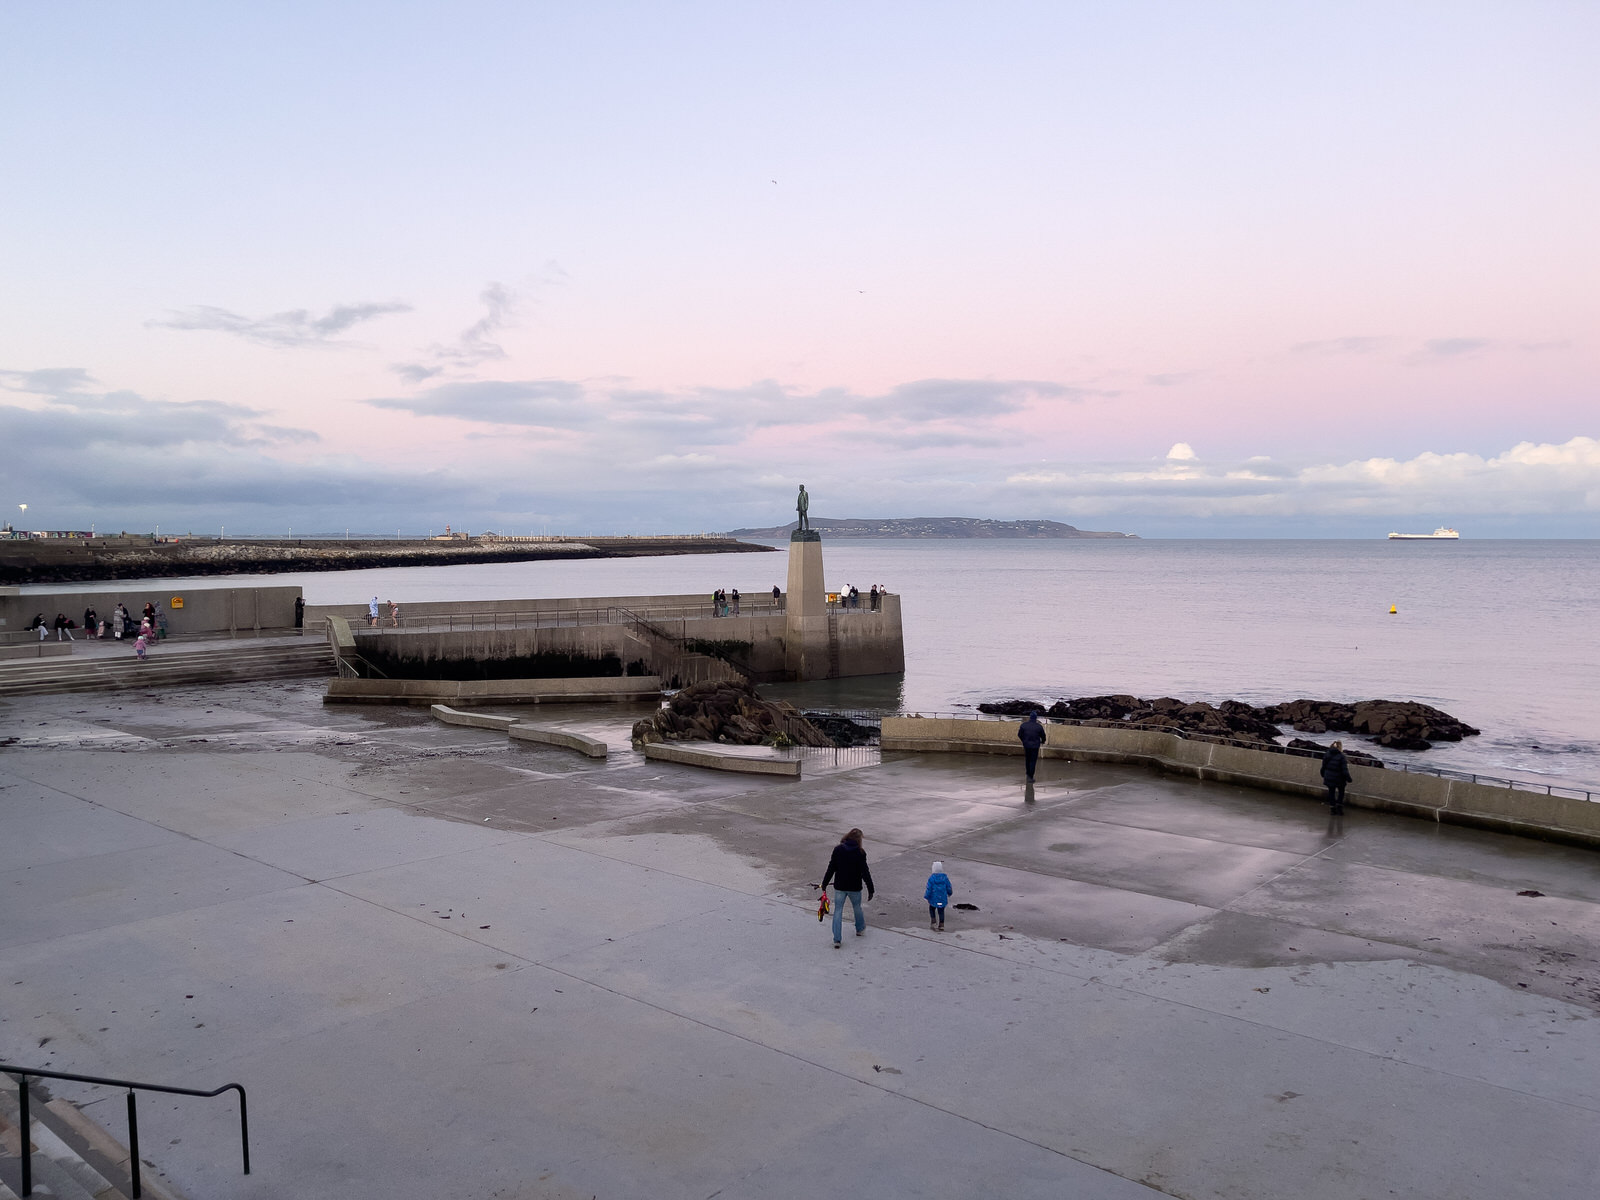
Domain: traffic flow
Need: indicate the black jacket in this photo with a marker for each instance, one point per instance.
(1032, 734)
(1335, 767)
(848, 869)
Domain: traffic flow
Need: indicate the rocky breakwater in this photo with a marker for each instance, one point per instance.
(731, 713)
(1393, 724)
(67, 560)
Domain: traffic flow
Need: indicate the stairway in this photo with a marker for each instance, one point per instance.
(234, 662)
(73, 1158)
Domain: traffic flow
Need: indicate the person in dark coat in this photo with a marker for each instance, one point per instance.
(849, 872)
(1031, 734)
(1335, 774)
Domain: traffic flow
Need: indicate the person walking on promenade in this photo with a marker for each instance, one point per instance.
(735, 599)
(372, 612)
(394, 614)
(849, 872)
(937, 894)
(91, 623)
(777, 597)
(1335, 774)
(1031, 734)
(139, 644)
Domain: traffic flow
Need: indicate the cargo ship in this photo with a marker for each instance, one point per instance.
(1440, 534)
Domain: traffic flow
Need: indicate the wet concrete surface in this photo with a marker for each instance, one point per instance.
(445, 962)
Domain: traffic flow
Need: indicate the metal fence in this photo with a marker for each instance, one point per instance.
(1522, 785)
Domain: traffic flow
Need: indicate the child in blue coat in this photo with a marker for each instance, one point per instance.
(937, 895)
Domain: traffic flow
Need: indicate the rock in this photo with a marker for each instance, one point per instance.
(728, 712)
(1011, 708)
(1396, 724)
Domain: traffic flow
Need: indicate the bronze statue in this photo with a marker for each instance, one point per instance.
(803, 507)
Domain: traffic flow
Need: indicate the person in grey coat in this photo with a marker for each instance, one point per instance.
(1335, 774)
(1031, 734)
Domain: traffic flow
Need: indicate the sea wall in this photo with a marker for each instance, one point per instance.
(491, 691)
(229, 611)
(651, 628)
(1431, 797)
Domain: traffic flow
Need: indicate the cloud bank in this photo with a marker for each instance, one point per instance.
(593, 455)
(284, 330)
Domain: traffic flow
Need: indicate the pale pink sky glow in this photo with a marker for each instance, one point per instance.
(632, 266)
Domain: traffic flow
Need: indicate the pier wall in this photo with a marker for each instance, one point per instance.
(1431, 797)
(224, 611)
(865, 642)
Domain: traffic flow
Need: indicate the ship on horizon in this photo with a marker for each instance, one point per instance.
(1441, 534)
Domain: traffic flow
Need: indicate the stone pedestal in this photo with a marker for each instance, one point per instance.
(805, 632)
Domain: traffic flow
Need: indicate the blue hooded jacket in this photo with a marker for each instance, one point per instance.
(939, 890)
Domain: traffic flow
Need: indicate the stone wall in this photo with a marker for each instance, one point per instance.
(238, 611)
(1431, 797)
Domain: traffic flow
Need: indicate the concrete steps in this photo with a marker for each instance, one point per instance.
(73, 1158)
(236, 661)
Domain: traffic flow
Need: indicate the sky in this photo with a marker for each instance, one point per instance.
(1178, 269)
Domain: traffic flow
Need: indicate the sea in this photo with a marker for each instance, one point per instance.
(1502, 634)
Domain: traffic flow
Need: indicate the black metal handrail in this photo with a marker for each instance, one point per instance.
(22, 1075)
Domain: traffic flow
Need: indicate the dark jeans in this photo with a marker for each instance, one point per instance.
(936, 913)
(1030, 758)
(1336, 795)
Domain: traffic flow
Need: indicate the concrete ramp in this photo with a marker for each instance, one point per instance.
(748, 760)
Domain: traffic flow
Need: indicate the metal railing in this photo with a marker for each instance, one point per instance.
(554, 618)
(1523, 785)
(23, 1074)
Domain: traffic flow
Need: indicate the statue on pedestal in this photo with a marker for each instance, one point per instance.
(803, 507)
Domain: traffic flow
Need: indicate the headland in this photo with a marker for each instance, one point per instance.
(930, 528)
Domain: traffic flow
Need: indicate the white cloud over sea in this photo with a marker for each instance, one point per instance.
(1529, 478)
(580, 456)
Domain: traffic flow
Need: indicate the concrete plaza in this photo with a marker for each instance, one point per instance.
(449, 964)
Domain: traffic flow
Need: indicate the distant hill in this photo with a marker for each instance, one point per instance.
(929, 527)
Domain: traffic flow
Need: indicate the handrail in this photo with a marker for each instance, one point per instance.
(682, 644)
(24, 1073)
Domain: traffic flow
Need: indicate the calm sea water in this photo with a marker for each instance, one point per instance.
(1499, 633)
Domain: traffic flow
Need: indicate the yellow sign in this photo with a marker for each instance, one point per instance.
(177, 602)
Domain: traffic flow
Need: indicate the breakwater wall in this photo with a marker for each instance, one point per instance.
(677, 635)
(1430, 797)
(73, 560)
(218, 611)
(428, 692)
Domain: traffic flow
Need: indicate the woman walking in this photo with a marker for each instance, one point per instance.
(849, 872)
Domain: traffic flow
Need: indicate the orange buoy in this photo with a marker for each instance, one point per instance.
(1393, 609)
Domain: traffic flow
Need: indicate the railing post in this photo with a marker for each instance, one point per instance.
(133, 1143)
(244, 1132)
(27, 1136)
